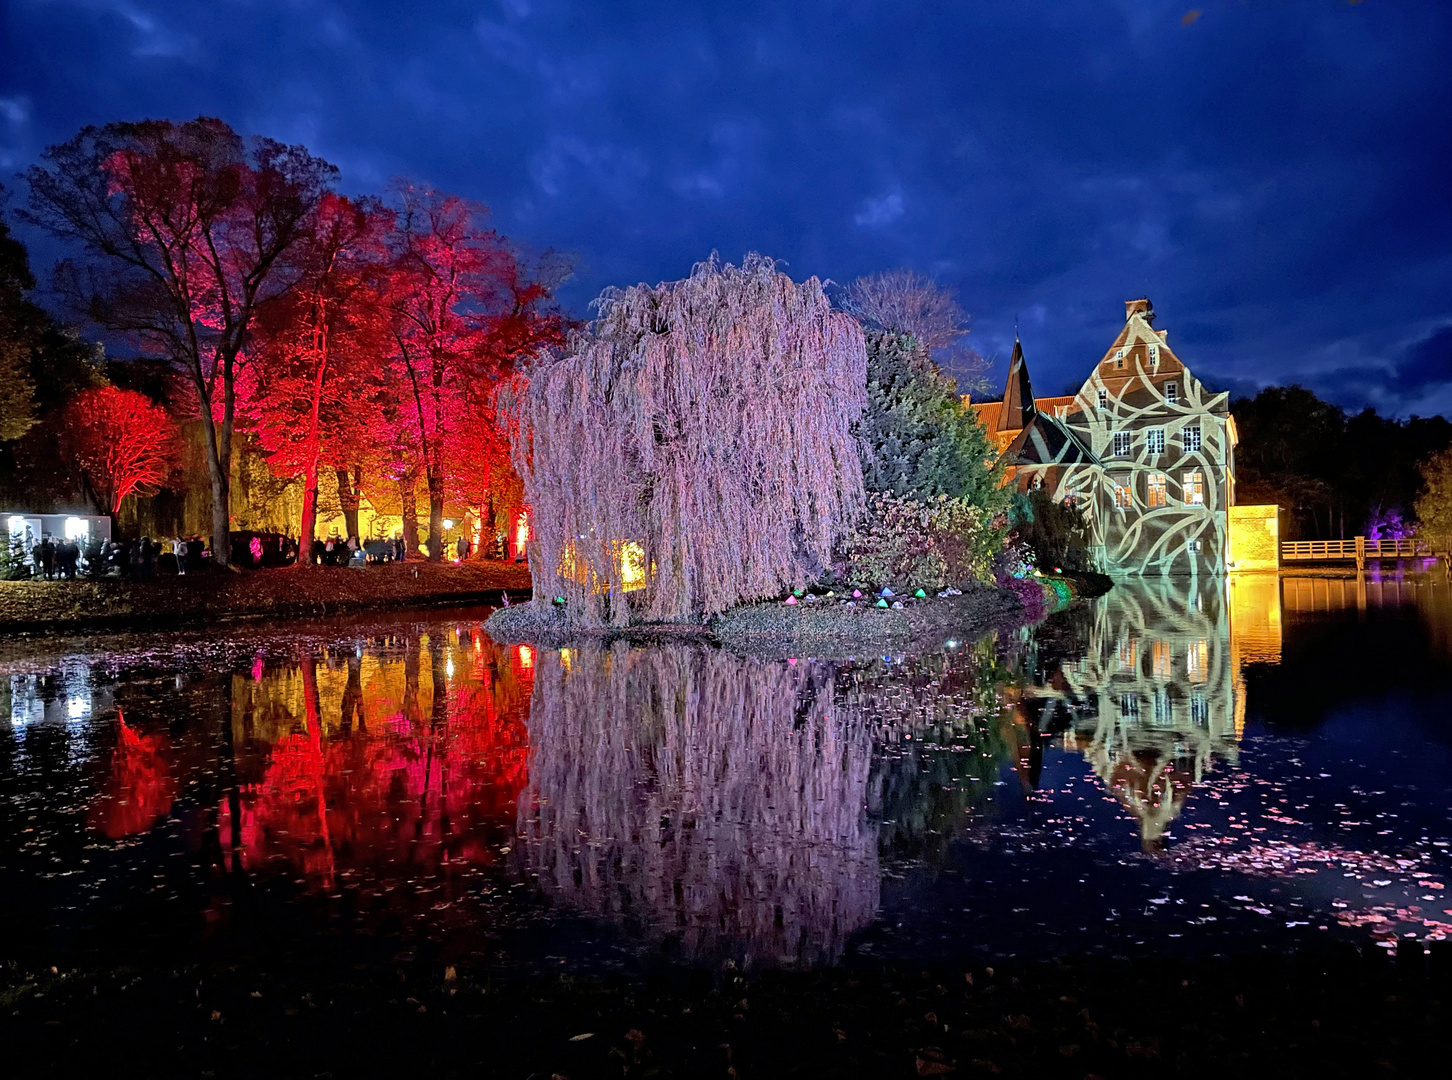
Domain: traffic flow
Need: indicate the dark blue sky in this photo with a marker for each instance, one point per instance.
(1276, 174)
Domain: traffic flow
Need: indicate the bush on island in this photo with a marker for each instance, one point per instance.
(906, 544)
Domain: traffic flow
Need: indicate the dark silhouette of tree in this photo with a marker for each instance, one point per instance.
(1333, 474)
(189, 229)
(906, 302)
(120, 442)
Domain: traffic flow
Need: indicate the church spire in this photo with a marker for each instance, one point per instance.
(1018, 396)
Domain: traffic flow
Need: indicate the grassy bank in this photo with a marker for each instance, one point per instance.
(822, 626)
(49, 607)
(1327, 1014)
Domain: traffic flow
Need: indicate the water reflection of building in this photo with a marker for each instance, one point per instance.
(711, 802)
(1157, 697)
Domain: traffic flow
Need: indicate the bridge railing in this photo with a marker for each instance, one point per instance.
(1354, 549)
(1318, 549)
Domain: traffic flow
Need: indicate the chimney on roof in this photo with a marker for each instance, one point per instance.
(1142, 306)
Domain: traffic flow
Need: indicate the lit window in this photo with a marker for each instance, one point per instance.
(1123, 499)
(1071, 497)
(1154, 440)
(1123, 441)
(1172, 392)
(1104, 399)
(1193, 485)
(1158, 489)
(76, 529)
(1196, 661)
(1190, 438)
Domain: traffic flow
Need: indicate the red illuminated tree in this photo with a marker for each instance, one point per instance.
(465, 311)
(312, 390)
(120, 442)
(192, 229)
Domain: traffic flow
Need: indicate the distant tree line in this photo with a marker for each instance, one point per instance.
(1334, 474)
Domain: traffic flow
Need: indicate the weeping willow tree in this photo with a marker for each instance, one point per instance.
(699, 437)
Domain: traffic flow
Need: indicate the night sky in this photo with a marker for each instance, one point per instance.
(1275, 174)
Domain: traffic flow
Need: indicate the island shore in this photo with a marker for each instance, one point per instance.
(823, 626)
(60, 607)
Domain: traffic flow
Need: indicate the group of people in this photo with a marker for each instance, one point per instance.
(135, 559)
(56, 559)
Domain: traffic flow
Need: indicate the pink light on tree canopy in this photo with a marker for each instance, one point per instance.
(121, 443)
(708, 420)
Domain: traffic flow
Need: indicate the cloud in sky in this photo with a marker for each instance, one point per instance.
(1273, 175)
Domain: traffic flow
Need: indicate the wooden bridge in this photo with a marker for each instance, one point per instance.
(1357, 550)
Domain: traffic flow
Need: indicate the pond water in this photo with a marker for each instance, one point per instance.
(1171, 768)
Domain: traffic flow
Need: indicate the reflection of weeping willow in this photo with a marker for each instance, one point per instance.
(702, 797)
(1156, 696)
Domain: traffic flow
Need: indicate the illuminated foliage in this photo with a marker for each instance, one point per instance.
(120, 442)
(708, 420)
(193, 229)
(313, 392)
(465, 312)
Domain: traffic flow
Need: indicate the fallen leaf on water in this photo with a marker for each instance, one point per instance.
(582, 1038)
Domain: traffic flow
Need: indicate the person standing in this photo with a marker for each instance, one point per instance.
(179, 551)
(47, 556)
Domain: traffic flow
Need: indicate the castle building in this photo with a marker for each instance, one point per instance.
(1143, 448)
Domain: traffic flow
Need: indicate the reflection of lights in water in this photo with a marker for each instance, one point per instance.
(78, 708)
(526, 656)
(449, 668)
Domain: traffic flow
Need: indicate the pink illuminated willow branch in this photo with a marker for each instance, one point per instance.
(696, 450)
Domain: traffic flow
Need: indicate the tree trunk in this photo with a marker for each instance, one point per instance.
(348, 499)
(221, 500)
(436, 515)
(410, 514)
(309, 527)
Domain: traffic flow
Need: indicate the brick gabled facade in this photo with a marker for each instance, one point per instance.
(1143, 447)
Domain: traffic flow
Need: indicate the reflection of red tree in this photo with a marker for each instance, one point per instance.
(140, 789)
(417, 790)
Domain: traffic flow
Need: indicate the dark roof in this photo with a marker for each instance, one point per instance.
(1046, 441)
(1018, 396)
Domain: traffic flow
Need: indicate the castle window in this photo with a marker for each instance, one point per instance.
(1199, 710)
(1190, 439)
(1159, 489)
(1123, 498)
(1104, 399)
(1154, 354)
(1038, 481)
(1192, 484)
(1154, 440)
(1119, 358)
(1123, 442)
(1172, 392)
